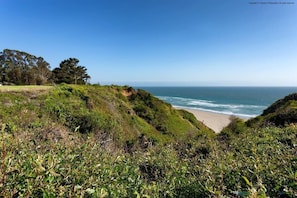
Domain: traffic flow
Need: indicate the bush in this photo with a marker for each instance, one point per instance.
(235, 127)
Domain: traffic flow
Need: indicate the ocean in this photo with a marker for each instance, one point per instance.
(238, 101)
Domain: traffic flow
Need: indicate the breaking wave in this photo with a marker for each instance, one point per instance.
(245, 110)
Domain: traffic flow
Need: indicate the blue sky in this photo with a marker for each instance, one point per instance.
(161, 42)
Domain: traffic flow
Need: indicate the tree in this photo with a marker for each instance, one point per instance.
(41, 71)
(22, 68)
(70, 72)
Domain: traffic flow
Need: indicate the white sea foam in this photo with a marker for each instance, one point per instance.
(220, 112)
(242, 110)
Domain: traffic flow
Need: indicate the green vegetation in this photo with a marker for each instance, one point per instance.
(22, 68)
(281, 113)
(120, 115)
(70, 72)
(94, 141)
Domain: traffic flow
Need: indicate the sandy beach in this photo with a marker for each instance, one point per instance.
(215, 121)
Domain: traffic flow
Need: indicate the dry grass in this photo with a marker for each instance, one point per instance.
(25, 88)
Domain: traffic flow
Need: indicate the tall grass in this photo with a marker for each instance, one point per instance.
(260, 163)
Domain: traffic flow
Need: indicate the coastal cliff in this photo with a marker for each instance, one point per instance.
(117, 116)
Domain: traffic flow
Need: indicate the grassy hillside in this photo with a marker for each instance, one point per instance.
(92, 141)
(119, 116)
(282, 112)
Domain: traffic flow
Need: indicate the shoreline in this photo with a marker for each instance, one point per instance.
(215, 121)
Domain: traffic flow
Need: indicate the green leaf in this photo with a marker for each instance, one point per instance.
(247, 181)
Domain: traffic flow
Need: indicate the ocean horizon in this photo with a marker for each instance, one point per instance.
(238, 101)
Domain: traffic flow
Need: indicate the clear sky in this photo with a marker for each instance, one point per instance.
(160, 42)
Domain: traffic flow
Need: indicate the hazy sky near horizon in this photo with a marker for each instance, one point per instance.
(161, 42)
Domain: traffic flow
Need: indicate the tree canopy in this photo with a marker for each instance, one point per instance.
(22, 68)
(70, 72)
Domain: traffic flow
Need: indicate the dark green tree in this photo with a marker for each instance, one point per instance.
(70, 72)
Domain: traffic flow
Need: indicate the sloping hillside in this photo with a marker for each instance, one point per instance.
(117, 116)
(282, 112)
(93, 141)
